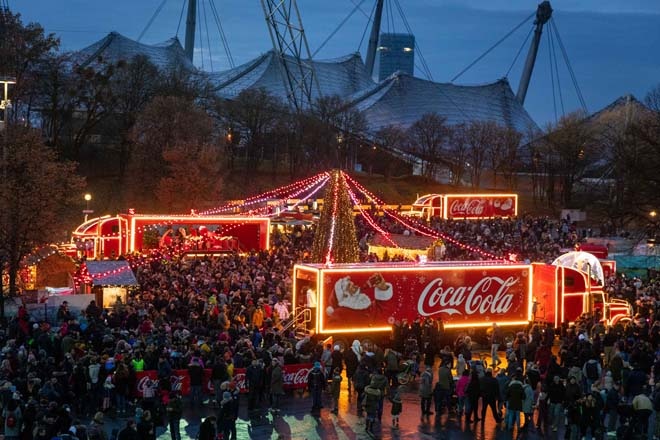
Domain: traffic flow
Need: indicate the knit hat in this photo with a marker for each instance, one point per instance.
(317, 364)
(98, 417)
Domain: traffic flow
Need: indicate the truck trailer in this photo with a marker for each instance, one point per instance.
(372, 297)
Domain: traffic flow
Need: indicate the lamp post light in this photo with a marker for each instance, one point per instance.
(5, 102)
(87, 211)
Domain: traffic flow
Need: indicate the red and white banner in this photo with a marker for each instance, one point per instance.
(480, 206)
(295, 377)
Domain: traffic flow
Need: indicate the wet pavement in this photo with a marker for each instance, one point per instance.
(295, 421)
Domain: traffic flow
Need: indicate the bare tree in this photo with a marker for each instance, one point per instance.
(479, 135)
(165, 124)
(572, 141)
(390, 137)
(255, 113)
(428, 136)
(458, 151)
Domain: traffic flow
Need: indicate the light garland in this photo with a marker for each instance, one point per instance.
(369, 220)
(333, 220)
(433, 234)
(281, 191)
(290, 191)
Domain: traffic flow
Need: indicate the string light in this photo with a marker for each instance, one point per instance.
(369, 220)
(433, 234)
(281, 191)
(333, 219)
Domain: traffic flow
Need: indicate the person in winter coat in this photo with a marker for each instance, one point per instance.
(612, 399)
(461, 388)
(490, 390)
(528, 404)
(316, 383)
(473, 392)
(351, 361)
(335, 389)
(146, 428)
(207, 429)
(379, 380)
(276, 385)
(426, 392)
(360, 381)
(444, 389)
(503, 382)
(515, 395)
(174, 413)
(397, 407)
(254, 376)
(337, 358)
(461, 365)
(573, 390)
(226, 416)
(196, 373)
(592, 372)
(129, 432)
(372, 396)
(556, 393)
(13, 418)
(392, 368)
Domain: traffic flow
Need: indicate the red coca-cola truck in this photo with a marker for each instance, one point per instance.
(465, 206)
(367, 298)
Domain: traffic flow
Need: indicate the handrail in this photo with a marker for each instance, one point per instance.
(296, 321)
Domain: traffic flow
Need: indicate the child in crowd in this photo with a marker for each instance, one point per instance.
(397, 407)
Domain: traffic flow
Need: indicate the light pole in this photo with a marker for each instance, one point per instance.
(87, 211)
(5, 102)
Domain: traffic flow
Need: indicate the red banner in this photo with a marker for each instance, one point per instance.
(371, 297)
(480, 206)
(295, 377)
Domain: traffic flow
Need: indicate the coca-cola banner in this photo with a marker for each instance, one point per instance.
(480, 206)
(378, 295)
(295, 377)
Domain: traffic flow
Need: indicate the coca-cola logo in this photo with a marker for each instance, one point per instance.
(145, 382)
(239, 379)
(467, 207)
(490, 295)
(176, 383)
(298, 377)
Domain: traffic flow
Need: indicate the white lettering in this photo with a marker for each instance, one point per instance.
(490, 295)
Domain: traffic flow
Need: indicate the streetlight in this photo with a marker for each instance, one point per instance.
(87, 211)
(5, 102)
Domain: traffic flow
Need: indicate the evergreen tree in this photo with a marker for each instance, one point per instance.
(335, 240)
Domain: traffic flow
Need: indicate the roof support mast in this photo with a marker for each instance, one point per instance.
(373, 38)
(288, 36)
(543, 14)
(191, 22)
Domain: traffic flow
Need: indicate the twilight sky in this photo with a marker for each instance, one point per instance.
(612, 44)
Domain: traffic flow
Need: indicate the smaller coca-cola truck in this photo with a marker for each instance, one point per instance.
(465, 206)
(371, 297)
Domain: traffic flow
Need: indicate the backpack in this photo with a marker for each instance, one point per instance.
(11, 420)
(592, 370)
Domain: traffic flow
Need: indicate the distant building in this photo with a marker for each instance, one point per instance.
(396, 52)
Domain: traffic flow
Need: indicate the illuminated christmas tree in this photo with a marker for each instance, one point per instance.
(335, 240)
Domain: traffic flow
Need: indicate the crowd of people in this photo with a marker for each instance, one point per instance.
(61, 379)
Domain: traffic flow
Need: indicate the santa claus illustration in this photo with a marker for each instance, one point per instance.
(349, 295)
